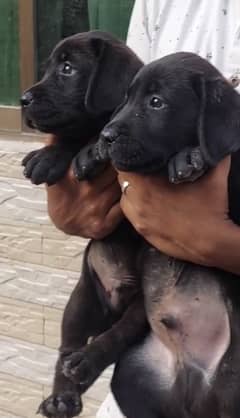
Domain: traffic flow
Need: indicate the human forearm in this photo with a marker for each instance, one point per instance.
(89, 209)
(224, 251)
(86, 209)
(188, 221)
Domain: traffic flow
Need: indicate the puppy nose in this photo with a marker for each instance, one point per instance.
(109, 134)
(26, 99)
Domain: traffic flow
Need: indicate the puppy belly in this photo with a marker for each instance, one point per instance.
(197, 326)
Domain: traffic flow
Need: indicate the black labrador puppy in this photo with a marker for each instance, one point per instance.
(87, 77)
(181, 117)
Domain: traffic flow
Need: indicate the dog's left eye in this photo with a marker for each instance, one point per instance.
(66, 68)
(156, 102)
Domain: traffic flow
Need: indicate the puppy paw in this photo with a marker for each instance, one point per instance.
(81, 368)
(47, 165)
(88, 164)
(63, 405)
(187, 165)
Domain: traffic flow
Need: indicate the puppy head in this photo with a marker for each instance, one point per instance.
(178, 101)
(86, 78)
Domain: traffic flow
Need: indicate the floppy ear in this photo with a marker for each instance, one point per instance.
(219, 118)
(115, 68)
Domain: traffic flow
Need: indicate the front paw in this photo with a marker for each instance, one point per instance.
(187, 165)
(47, 165)
(87, 164)
(81, 368)
(63, 405)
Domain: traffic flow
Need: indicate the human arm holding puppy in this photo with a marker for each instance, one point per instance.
(188, 221)
(87, 209)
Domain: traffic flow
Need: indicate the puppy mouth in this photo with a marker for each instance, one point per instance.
(128, 154)
(124, 159)
(125, 153)
(30, 123)
(33, 124)
(44, 126)
(46, 119)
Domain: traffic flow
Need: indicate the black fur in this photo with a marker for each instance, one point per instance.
(181, 118)
(75, 98)
(106, 303)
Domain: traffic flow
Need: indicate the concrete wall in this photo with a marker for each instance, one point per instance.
(39, 267)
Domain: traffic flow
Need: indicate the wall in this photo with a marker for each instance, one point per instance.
(9, 39)
(110, 16)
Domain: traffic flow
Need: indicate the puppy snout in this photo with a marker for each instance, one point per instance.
(26, 99)
(109, 134)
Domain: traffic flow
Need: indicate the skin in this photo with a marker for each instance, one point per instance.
(157, 209)
(86, 209)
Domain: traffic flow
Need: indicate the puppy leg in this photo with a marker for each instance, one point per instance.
(187, 165)
(226, 382)
(85, 365)
(49, 164)
(144, 379)
(83, 317)
(132, 400)
(88, 163)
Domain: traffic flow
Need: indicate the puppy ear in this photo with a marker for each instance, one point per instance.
(219, 118)
(115, 68)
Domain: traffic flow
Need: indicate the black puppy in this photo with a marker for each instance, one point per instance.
(181, 117)
(86, 79)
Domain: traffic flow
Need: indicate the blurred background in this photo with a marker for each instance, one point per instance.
(39, 265)
(29, 29)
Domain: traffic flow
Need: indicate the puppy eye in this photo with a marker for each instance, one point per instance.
(156, 102)
(66, 68)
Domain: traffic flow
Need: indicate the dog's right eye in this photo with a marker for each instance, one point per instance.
(66, 68)
(156, 102)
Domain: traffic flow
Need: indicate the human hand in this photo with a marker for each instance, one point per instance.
(88, 208)
(184, 221)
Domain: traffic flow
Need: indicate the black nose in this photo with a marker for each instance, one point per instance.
(109, 134)
(26, 99)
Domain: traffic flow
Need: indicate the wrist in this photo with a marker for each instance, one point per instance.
(224, 247)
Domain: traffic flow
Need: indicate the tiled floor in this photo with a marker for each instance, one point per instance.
(26, 368)
(39, 267)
